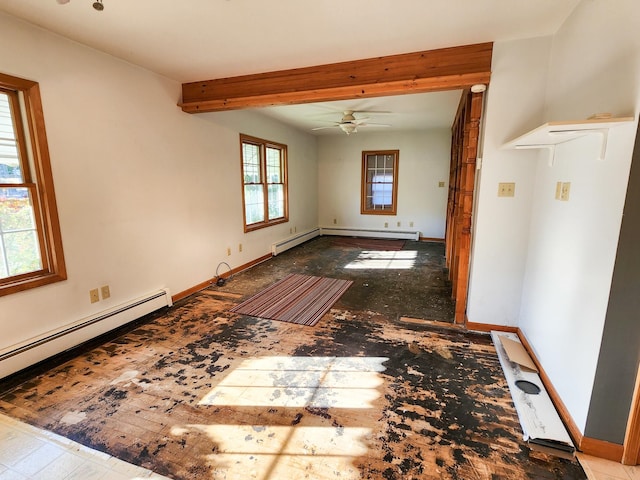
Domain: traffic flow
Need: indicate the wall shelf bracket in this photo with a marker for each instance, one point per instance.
(554, 133)
(571, 134)
(551, 149)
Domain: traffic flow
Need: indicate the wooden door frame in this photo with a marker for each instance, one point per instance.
(464, 153)
(631, 451)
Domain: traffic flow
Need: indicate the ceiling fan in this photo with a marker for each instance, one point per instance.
(349, 123)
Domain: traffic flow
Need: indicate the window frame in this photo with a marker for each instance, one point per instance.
(33, 152)
(262, 145)
(364, 210)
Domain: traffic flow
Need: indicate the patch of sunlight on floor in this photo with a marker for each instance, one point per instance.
(265, 452)
(384, 260)
(324, 449)
(319, 382)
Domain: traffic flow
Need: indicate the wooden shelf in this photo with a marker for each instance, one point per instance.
(550, 134)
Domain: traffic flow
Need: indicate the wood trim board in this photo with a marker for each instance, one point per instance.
(427, 71)
(632, 436)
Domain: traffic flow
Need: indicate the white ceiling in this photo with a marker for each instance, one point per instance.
(406, 112)
(193, 40)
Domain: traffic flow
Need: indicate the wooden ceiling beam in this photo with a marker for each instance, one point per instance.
(419, 72)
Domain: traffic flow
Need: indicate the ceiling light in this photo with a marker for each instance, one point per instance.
(348, 128)
(98, 5)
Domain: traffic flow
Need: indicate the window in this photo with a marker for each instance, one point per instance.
(30, 243)
(264, 182)
(379, 182)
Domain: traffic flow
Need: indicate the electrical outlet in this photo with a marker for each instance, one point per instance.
(399, 223)
(228, 251)
(506, 189)
(558, 190)
(239, 247)
(411, 224)
(105, 292)
(295, 229)
(386, 224)
(335, 220)
(94, 296)
(564, 192)
(440, 184)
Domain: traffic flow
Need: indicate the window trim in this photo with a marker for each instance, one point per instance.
(263, 145)
(38, 176)
(363, 183)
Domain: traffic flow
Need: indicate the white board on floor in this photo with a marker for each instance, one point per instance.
(541, 425)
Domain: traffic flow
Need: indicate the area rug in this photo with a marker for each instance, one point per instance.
(301, 299)
(369, 243)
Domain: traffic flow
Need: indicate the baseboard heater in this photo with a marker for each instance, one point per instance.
(293, 241)
(55, 341)
(542, 427)
(370, 233)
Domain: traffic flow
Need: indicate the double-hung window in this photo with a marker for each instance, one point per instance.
(379, 182)
(30, 243)
(264, 182)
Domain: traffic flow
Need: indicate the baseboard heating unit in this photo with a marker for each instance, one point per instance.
(37, 348)
(290, 242)
(371, 233)
(542, 427)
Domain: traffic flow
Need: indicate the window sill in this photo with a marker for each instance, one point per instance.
(30, 282)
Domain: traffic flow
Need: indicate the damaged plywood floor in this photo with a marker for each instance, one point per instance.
(200, 393)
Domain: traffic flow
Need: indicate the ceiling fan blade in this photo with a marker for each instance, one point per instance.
(374, 125)
(360, 121)
(323, 128)
(372, 111)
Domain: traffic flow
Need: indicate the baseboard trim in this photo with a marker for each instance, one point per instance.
(211, 281)
(431, 239)
(487, 327)
(602, 449)
(587, 445)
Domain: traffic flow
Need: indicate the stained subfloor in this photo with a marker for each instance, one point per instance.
(411, 282)
(198, 392)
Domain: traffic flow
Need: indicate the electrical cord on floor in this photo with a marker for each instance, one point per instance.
(220, 282)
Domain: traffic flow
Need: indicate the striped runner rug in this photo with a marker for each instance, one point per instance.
(301, 299)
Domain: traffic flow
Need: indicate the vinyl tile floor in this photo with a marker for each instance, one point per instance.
(27, 452)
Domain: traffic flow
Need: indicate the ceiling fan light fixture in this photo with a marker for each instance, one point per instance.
(348, 128)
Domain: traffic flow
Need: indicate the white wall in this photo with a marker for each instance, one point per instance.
(423, 162)
(148, 196)
(572, 246)
(541, 264)
(514, 104)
